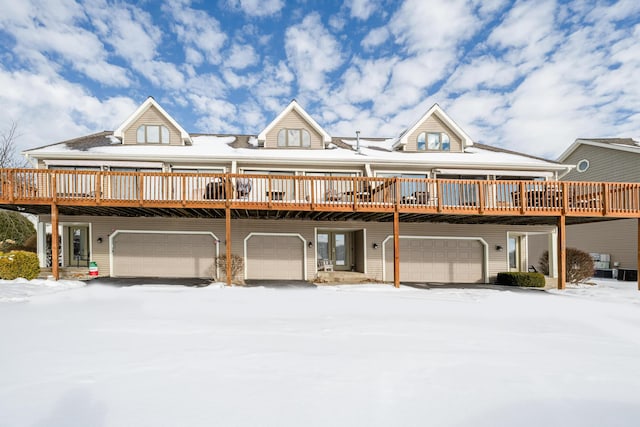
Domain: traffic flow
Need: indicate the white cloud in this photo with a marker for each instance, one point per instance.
(258, 8)
(362, 9)
(198, 31)
(61, 110)
(241, 56)
(134, 37)
(375, 37)
(312, 52)
(56, 29)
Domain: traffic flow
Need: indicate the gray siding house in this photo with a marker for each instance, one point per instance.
(609, 160)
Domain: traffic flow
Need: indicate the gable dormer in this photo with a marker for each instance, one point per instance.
(294, 128)
(151, 124)
(434, 132)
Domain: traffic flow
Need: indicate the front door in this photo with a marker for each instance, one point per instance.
(336, 247)
(77, 246)
(517, 255)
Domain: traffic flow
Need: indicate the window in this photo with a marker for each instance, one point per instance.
(152, 134)
(582, 165)
(294, 138)
(433, 141)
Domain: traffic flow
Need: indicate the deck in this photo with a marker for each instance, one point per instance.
(189, 193)
(74, 192)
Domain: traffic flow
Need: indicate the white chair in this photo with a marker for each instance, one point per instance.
(325, 265)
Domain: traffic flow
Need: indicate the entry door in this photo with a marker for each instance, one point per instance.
(516, 256)
(78, 245)
(336, 247)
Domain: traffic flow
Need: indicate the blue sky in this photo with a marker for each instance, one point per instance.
(526, 75)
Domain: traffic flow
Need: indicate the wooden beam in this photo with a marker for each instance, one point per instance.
(562, 252)
(55, 271)
(228, 242)
(396, 249)
(638, 250)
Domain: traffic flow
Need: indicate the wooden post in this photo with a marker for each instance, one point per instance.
(396, 249)
(228, 243)
(54, 242)
(638, 250)
(562, 252)
(523, 198)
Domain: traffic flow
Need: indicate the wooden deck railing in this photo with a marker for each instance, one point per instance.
(198, 190)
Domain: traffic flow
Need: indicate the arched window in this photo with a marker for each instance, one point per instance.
(152, 134)
(433, 141)
(294, 138)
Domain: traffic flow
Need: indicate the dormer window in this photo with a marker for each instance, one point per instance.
(433, 141)
(152, 134)
(294, 138)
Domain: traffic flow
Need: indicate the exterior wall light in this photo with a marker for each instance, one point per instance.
(310, 245)
(99, 239)
(499, 248)
(375, 246)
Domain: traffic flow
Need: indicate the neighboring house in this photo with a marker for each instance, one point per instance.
(150, 199)
(610, 160)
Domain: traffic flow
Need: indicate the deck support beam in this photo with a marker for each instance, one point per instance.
(562, 252)
(55, 271)
(396, 249)
(227, 243)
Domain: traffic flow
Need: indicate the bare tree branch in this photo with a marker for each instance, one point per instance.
(8, 156)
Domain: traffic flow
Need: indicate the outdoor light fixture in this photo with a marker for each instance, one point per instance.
(375, 246)
(99, 239)
(498, 248)
(310, 245)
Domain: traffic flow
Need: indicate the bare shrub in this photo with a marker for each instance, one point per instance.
(237, 265)
(579, 264)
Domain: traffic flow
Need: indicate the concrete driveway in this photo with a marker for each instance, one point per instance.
(134, 281)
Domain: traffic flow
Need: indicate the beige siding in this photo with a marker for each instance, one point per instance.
(164, 255)
(604, 165)
(437, 260)
(152, 117)
(376, 233)
(617, 238)
(271, 257)
(293, 120)
(434, 124)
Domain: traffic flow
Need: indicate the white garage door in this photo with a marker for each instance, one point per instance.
(271, 257)
(437, 260)
(163, 255)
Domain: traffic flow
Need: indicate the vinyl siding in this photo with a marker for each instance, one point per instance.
(293, 120)
(376, 233)
(617, 238)
(434, 124)
(605, 164)
(152, 117)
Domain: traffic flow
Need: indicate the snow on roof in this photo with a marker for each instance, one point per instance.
(221, 148)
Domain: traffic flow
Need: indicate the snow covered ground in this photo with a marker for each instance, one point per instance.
(359, 355)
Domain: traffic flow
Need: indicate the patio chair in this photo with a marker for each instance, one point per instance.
(325, 265)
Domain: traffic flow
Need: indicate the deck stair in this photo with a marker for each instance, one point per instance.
(342, 277)
(67, 273)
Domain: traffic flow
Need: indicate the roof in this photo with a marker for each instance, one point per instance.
(243, 148)
(439, 112)
(621, 144)
(150, 102)
(294, 106)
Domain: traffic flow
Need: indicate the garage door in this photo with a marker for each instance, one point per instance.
(272, 257)
(163, 255)
(437, 260)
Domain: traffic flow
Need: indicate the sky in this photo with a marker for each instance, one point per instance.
(529, 75)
